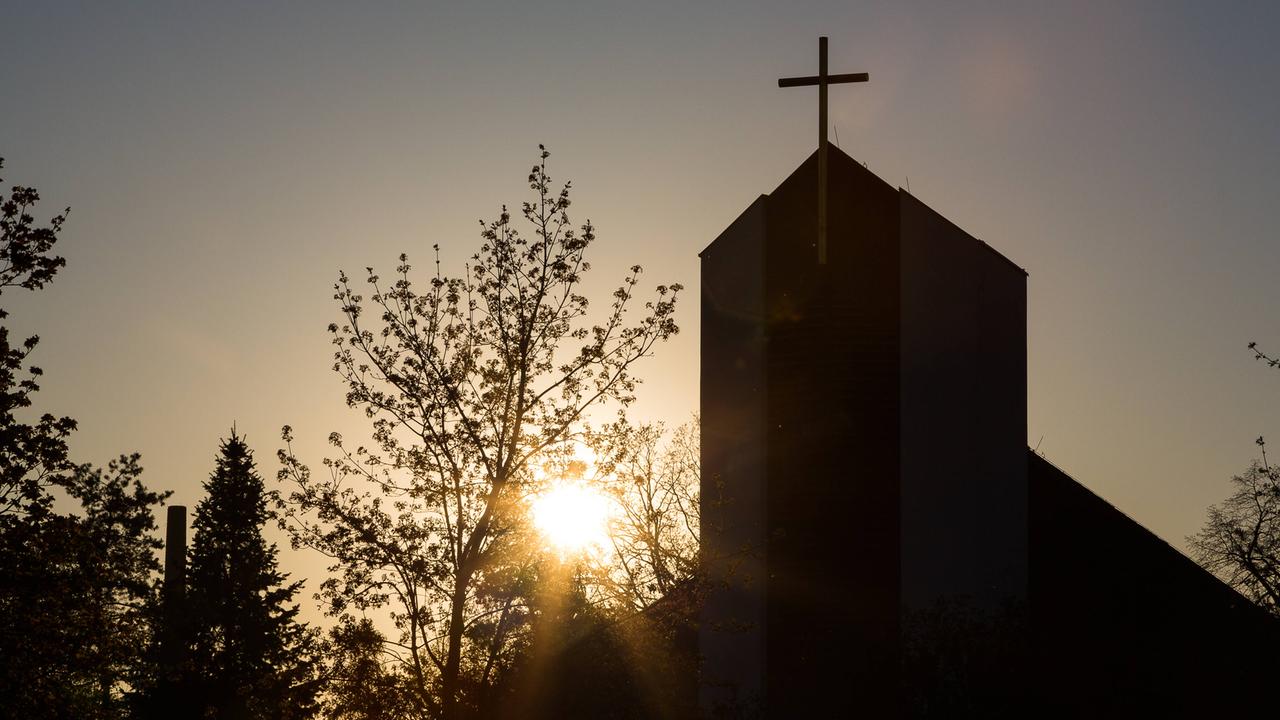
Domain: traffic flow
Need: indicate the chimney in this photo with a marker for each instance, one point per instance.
(173, 604)
(175, 555)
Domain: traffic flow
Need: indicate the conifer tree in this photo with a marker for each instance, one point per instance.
(251, 656)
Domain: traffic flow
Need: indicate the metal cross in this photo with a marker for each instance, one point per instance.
(822, 80)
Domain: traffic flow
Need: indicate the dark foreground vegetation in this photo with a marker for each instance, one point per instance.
(444, 599)
(484, 389)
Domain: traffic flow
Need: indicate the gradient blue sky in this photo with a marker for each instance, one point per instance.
(224, 160)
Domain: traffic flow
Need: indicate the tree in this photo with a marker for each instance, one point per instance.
(252, 656)
(628, 620)
(1240, 542)
(641, 663)
(362, 683)
(654, 477)
(74, 591)
(1259, 355)
(35, 456)
(74, 586)
(467, 384)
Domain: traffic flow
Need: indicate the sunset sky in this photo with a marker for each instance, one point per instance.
(223, 161)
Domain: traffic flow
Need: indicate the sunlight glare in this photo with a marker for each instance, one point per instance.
(574, 518)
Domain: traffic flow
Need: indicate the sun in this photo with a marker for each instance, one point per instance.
(573, 518)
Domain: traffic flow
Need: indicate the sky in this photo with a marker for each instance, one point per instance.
(224, 160)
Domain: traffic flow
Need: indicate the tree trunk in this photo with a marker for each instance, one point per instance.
(449, 678)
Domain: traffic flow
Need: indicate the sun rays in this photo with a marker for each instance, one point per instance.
(573, 517)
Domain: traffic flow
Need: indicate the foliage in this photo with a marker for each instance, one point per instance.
(468, 384)
(363, 684)
(654, 476)
(73, 586)
(253, 658)
(637, 664)
(26, 249)
(73, 593)
(1240, 542)
(622, 615)
(33, 457)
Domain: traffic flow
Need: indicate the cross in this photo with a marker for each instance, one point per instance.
(822, 80)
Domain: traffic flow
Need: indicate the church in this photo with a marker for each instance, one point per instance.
(877, 537)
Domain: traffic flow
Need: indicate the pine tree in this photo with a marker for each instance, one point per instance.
(252, 657)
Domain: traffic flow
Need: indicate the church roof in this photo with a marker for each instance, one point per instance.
(842, 162)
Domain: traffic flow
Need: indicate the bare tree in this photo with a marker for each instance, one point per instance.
(654, 477)
(467, 384)
(1240, 542)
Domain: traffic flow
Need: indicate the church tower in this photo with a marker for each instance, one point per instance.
(864, 457)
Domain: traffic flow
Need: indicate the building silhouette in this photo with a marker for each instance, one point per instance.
(877, 537)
